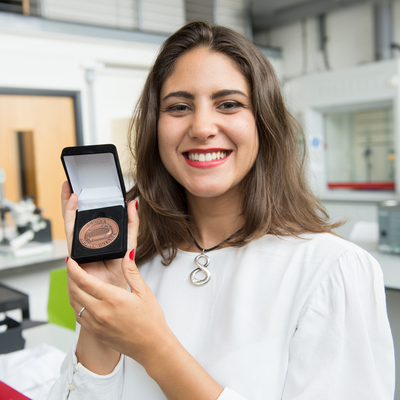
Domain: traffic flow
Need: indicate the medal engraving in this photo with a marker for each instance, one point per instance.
(98, 233)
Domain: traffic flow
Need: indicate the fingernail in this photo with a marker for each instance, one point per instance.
(132, 255)
(137, 204)
(66, 260)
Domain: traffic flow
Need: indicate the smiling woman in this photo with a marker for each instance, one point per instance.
(216, 88)
(260, 300)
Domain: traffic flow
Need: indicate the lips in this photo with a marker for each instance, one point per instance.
(206, 158)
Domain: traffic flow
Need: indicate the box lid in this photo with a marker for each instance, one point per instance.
(94, 174)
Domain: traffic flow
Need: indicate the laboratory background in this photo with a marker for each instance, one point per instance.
(71, 72)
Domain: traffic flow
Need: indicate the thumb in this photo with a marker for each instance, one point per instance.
(131, 272)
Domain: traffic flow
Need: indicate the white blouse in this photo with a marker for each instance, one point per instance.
(281, 318)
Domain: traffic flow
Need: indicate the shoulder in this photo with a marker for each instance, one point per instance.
(313, 244)
(314, 257)
(318, 246)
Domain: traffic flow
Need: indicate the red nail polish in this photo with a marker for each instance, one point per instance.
(137, 204)
(132, 255)
(66, 260)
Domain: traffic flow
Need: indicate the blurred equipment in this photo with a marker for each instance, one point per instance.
(31, 232)
(389, 226)
(11, 337)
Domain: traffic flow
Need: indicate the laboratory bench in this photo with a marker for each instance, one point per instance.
(54, 251)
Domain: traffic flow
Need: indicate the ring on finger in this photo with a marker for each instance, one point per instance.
(80, 312)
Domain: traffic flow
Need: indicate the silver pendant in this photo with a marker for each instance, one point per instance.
(201, 267)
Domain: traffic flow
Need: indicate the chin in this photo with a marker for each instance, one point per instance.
(208, 191)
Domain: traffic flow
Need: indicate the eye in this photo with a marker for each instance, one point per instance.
(178, 108)
(230, 105)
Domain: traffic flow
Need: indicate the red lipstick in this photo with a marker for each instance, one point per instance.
(199, 160)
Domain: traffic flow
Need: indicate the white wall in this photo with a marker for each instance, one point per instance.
(350, 33)
(60, 63)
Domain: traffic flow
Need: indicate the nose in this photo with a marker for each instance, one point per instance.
(203, 125)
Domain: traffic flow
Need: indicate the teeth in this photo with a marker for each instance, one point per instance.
(207, 156)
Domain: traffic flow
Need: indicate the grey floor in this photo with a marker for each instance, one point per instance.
(393, 307)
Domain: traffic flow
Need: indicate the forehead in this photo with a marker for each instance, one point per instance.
(207, 69)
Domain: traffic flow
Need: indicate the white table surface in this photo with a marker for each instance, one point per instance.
(51, 334)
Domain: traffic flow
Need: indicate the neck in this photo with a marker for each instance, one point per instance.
(215, 219)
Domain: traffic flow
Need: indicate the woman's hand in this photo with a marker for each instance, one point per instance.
(132, 323)
(128, 322)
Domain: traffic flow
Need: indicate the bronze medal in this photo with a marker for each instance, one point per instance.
(98, 233)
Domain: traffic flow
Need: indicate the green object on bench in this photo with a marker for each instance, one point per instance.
(59, 309)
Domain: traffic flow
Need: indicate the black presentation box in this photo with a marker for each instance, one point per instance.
(94, 174)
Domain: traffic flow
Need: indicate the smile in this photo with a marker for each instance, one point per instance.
(212, 156)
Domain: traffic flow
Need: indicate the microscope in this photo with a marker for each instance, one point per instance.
(30, 225)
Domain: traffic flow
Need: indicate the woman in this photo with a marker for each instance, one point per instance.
(243, 291)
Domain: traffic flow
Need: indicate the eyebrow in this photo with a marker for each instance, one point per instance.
(181, 93)
(226, 92)
(216, 95)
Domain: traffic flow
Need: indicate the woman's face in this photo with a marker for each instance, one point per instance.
(207, 131)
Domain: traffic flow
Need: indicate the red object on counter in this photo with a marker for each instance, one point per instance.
(362, 185)
(8, 393)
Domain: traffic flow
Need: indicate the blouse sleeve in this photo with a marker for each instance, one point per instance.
(343, 347)
(229, 394)
(76, 382)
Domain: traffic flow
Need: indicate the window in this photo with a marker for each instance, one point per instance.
(360, 149)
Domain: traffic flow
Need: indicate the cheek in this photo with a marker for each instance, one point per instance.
(256, 144)
(168, 132)
(246, 137)
(161, 143)
(166, 147)
(164, 132)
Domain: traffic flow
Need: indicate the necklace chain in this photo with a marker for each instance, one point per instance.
(202, 266)
(215, 247)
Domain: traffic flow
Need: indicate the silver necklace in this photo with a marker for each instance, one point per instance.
(204, 266)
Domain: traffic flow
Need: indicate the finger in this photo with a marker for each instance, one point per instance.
(65, 195)
(79, 298)
(85, 287)
(79, 310)
(86, 318)
(133, 224)
(69, 204)
(131, 273)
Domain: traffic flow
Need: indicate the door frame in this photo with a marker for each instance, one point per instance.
(74, 95)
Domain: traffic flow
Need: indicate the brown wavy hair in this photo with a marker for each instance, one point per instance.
(277, 198)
